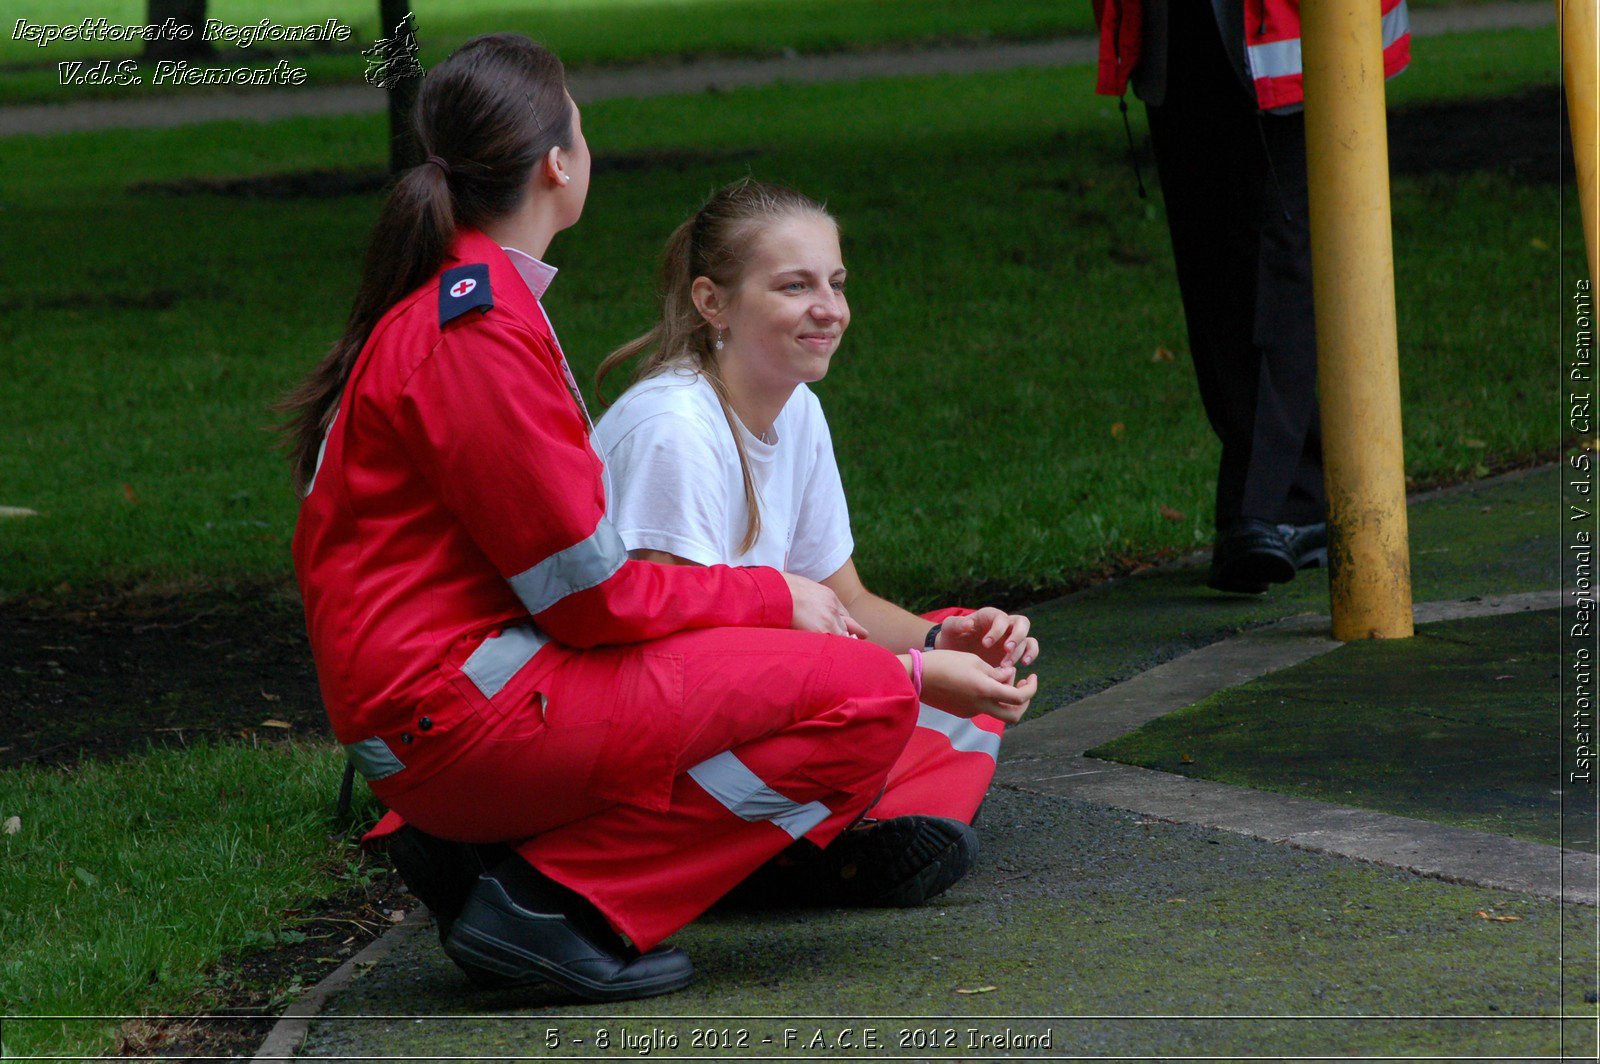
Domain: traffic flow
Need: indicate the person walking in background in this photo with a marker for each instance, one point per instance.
(1221, 83)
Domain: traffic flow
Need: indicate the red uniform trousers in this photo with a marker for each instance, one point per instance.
(781, 734)
(947, 764)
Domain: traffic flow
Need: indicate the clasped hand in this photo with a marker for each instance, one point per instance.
(997, 637)
(965, 685)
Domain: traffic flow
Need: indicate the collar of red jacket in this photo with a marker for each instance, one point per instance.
(513, 274)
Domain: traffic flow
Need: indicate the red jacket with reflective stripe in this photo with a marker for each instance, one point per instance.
(1272, 45)
(457, 495)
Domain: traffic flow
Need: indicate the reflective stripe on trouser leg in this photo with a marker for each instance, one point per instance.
(743, 794)
(945, 769)
(841, 727)
(948, 764)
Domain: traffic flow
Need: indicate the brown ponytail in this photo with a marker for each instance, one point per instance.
(484, 118)
(718, 243)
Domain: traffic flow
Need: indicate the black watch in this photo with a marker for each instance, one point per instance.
(933, 636)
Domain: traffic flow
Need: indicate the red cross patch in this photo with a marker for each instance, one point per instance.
(462, 287)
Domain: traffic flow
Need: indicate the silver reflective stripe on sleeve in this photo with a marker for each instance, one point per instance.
(578, 568)
(1281, 59)
(498, 658)
(964, 735)
(373, 758)
(1396, 24)
(1278, 59)
(730, 781)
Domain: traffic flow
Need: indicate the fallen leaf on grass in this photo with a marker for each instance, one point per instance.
(1173, 515)
(13, 825)
(1473, 442)
(127, 493)
(1538, 244)
(276, 724)
(17, 511)
(1117, 429)
(1186, 759)
(1507, 676)
(1162, 355)
(978, 990)
(396, 915)
(1496, 917)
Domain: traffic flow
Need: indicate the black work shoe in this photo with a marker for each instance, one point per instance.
(1308, 544)
(441, 873)
(898, 862)
(1248, 556)
(520, 927)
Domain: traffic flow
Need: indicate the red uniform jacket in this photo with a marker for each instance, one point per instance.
(453, 544)
(1272, 45)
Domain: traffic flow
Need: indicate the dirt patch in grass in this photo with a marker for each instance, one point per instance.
(90, 677)
(115, 674)
(1516, 135)
(370, 180)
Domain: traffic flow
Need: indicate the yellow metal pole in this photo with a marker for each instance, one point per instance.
(1578, 64)
(1352, 271)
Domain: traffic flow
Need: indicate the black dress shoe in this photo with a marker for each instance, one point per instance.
(902, 861)
(1308, 544)
(441, 873)
(1250, 555)
(520, 927)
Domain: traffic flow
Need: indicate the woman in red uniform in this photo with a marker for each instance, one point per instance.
(495, 665)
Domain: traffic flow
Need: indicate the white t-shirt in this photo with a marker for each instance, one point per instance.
(673, 481)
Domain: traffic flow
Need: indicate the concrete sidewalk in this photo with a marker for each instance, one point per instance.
(665, 79)
(1110, 925)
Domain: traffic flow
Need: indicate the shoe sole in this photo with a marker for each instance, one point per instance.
(495, 963)
(1316, 559)
(932, 874)
(1252, 573)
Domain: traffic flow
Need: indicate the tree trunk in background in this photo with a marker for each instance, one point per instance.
(191, 13)
(394, 22)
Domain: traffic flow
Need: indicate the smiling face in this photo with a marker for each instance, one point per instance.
(784, 318)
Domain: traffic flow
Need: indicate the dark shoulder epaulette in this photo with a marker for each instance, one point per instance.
(463, 288)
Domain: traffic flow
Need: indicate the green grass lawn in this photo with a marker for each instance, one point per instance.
(999, 373)
(126, 881)
(999, 415)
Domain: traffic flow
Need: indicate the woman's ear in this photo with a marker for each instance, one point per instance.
(552, 168)
(708, 299)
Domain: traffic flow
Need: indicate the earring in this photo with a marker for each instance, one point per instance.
(718, 344)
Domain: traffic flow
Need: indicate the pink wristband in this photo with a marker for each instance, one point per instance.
(916, 670)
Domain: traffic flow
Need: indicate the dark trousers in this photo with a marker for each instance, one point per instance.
(1234, 181)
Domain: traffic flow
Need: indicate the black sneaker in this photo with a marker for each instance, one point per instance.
(902, 861)
(1308, 544)
(1250, 555)
(441, 873)
(520, 927)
